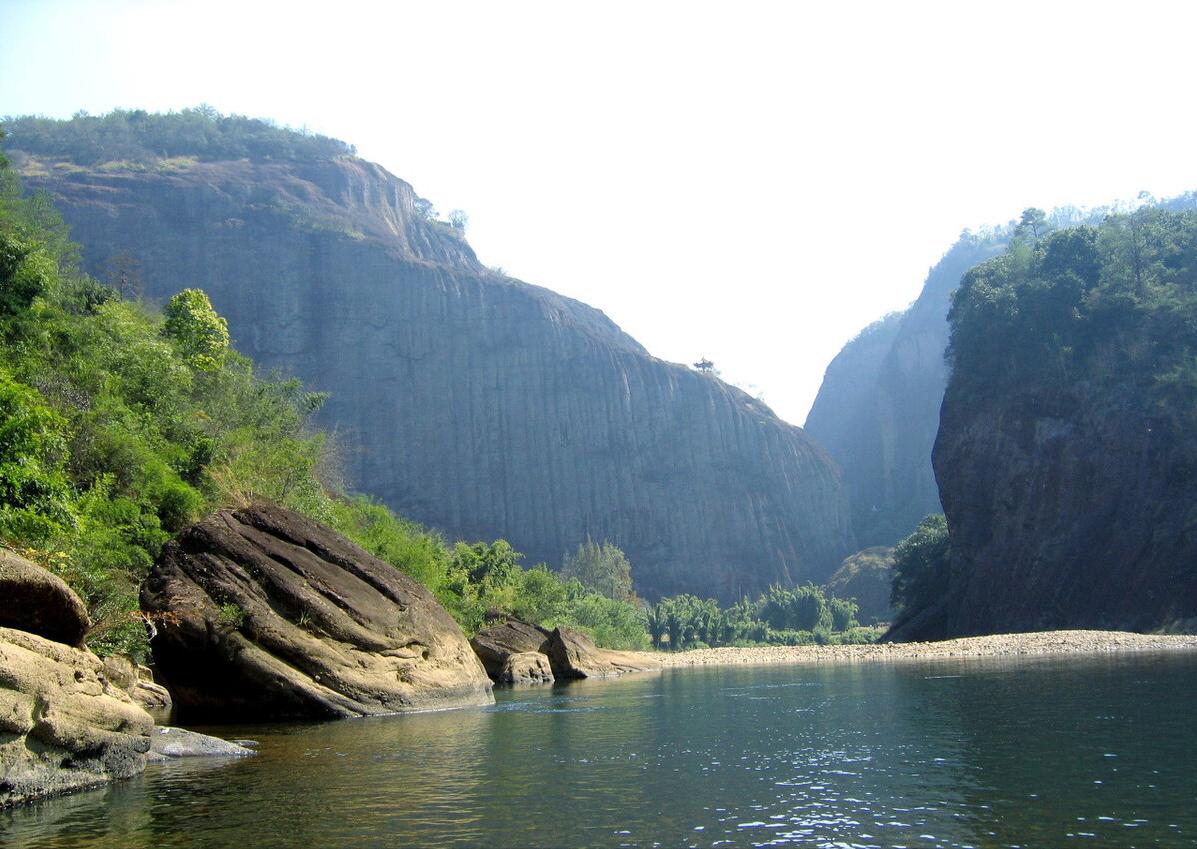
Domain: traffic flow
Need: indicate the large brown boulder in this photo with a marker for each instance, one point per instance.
(574, 655)
(63, 725)
(495, 645)
(530, 667)
(34, 599)
(262, 613)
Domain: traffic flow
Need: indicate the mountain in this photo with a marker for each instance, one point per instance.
(475, 403)
(1066, 456)
(877, 410)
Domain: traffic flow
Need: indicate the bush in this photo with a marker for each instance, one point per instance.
(921, 564)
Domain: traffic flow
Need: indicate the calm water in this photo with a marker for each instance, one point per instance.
(1099, 753)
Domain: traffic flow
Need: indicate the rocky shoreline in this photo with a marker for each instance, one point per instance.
(1043, 643)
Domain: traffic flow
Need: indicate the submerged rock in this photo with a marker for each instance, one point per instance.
(35, 600)
(267, 614)
(63, 724)
(169, 743)
(574, 655)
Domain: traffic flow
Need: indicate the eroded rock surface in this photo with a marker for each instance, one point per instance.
(574, 655)
(63, 725)
(496, 644)
(529, 667)
(138, 682)
(35, 600)
(267, 614)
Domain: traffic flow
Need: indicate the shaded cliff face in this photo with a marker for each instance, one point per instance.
(877, 411)
(1065, 511)
(474, 403)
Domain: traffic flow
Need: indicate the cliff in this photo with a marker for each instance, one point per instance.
(877, 411)
(1065, 511)
(1065, 457)
(477, 404)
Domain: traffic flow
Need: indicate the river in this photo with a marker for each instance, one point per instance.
(1047, 752)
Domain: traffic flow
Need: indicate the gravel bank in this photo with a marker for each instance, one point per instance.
(996, 645)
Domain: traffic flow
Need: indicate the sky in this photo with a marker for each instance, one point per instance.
(749, 182)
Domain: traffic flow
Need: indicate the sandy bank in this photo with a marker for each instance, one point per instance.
(997, 645)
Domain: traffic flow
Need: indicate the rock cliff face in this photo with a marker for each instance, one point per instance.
(1066, 510)
(469, 401)
(877, 411)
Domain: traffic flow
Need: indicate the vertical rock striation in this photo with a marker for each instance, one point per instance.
(469, 401)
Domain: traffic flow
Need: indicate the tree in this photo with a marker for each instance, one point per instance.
(459, 219)
(1033, 223)
(921, 567)
(705, 366)
(124, 275)
(843, 613)
(26, 272)
(196, 328)
(603, 568)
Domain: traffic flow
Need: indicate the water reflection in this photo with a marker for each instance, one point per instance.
(981, 753)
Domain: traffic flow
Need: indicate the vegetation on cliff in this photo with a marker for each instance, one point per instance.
(1065, 455)
(137, 136)
(1108, 304)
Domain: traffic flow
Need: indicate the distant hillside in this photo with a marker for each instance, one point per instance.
(467, 400)
(877, 411)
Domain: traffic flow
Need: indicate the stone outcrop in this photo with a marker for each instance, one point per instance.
(574, 655)
(529, 667)
(138, 682)
(34, 599)
(496, 644)
(877, 411)
(472, 402)
(63, 725)
(516, 652)
(266, 614)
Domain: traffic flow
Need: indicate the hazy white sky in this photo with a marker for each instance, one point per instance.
(753, 182)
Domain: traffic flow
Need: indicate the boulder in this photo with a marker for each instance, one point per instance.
(262, 613)
(574, 655)
(496, 645)
(35, 600)
(529, 667)
(169, 743)
(63, 724)
(138, 682)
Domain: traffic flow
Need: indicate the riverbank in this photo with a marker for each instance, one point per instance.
(995, 645)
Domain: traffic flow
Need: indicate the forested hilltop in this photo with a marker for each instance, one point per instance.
(1066, 455)
(464, 399)
(135, 136)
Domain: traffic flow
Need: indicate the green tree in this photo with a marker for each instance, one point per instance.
(197, 329)
(843, 613)
(921, 567)
(603, 568)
